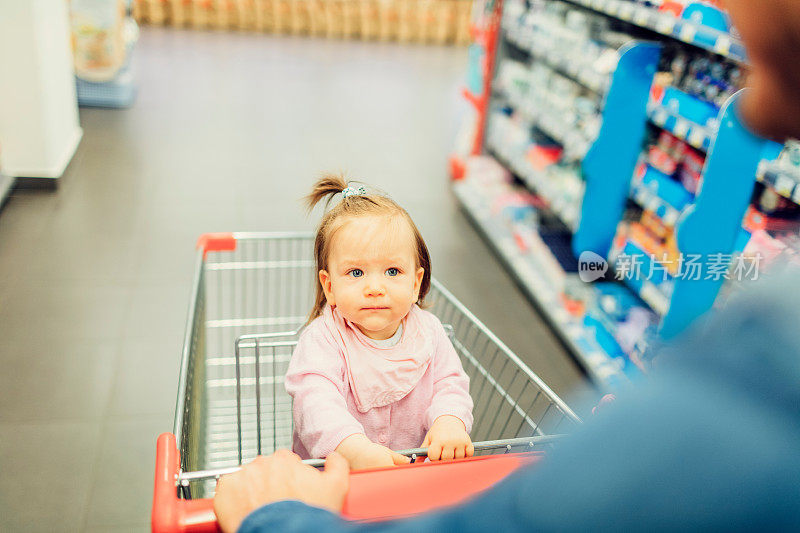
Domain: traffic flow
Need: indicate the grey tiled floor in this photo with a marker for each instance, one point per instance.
(228, 132)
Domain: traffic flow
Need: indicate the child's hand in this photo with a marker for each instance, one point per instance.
(363, 453)
(448, 439)
(374, 455)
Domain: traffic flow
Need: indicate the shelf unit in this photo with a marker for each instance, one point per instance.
(549, 122)
(710, 225)
(604, 370)
(696, 135)
(584, 73)
(650, 201)
(783, 181)
(537, 182)
(668, 25)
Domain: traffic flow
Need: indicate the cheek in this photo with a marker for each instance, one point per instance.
(346, 288)
(404, 288)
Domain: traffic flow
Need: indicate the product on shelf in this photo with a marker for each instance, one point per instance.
(103, 39)
(98, 38)
(577, 43)
(538, 162)
(626, 319)
(429, 21)
(509, 217)
(554, 104)
(695, 86)
(676, 159)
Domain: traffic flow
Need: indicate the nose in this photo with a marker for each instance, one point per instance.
(374, 288)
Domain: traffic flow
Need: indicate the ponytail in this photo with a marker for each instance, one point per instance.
(328, 185)
(353, 205)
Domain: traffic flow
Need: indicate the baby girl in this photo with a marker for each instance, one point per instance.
(372, 371)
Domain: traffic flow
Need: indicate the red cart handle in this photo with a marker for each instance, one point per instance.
(170, 513)
(376, 494)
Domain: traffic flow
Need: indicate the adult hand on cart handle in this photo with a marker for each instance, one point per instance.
(280, 476)
(448, 439)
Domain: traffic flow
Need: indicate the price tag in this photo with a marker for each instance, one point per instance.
(723, 45)
(642, 17)
(784, 185)
(666, 24)
(681, 128)
(653, 204)
(688, 33)
(660, 116)
(671, 217)
(655, 298)
(573, 69)
(697, 138)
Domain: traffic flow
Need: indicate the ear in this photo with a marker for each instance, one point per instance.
(325, 281)
(418, 282)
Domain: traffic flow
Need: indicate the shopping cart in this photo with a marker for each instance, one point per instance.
(252, 294)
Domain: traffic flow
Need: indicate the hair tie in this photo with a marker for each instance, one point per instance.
(352, 191)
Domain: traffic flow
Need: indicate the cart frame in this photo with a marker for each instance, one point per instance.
(177, 456)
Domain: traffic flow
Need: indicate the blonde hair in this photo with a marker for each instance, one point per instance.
(355, 206)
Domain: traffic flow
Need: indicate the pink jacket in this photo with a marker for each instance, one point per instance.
(325, 410)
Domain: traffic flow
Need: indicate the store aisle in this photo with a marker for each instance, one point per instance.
(227, 133)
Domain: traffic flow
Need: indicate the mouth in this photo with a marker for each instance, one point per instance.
(376, 308)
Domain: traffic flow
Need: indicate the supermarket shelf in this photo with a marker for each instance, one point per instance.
(583, 73)
(653, 297)
(6, 184)
(721, 43)
(537, 182)
(781, 180)
(647, 199)
(578, 339)
(551, 123)
(696, 135)
(644, 288)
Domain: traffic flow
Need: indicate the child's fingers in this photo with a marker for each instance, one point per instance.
(460, 452)
(448, 452)
(427, 441)
(434, 452)
(470, 449)
(337, 469)
(400, 459)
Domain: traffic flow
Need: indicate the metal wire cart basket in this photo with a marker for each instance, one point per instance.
(252, 295)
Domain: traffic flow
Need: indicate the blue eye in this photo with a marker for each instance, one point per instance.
(392, 271)
(356, 272)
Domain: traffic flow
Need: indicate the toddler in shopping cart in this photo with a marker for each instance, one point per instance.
(372, 371)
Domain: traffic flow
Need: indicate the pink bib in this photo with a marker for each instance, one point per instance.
(381, 376)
